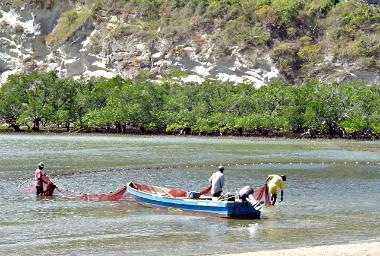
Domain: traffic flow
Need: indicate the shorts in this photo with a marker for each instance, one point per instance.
(40, 190)
(217, 194)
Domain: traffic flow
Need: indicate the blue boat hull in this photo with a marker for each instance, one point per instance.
(225, 209)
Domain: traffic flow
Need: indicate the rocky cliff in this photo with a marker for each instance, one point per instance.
(105, 44)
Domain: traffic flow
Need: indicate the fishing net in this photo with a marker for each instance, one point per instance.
(164, 191)
(206, 191)
(110, 196)
(158, 190)
(263, 191)
(50, 188)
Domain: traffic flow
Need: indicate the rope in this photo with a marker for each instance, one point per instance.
(20, 186)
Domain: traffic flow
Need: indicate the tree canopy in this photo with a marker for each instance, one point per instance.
(210, 107)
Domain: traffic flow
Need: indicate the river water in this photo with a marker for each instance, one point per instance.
(331, 194)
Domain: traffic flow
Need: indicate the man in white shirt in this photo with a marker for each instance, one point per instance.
(217, 182)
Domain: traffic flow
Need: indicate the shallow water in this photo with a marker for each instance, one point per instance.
(331, 196)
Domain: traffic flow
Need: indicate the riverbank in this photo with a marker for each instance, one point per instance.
(363, 135)
(357, 249)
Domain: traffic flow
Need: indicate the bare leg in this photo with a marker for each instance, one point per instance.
(274, 197)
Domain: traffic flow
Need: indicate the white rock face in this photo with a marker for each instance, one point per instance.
(88, 52)
(86, 55)
(369, 77)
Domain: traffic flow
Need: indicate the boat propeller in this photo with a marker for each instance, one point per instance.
(246, 194)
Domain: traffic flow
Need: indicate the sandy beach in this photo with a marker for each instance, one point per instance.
(359, 249)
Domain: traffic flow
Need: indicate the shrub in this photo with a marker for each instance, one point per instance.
(288, 9)
(287, 59)
(310, 53)
(67, 25)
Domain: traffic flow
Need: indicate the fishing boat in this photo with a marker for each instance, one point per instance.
(240, 206)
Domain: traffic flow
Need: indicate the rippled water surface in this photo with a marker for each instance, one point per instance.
(331, 196)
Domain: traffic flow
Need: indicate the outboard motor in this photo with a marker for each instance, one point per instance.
(246, 194)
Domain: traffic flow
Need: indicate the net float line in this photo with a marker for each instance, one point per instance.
(120, 193)
(22, 184)
(210, 165)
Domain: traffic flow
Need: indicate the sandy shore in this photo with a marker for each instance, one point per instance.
(360, 249)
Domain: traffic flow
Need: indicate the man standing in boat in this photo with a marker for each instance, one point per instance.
(275, 182)
(217, 182)
(39, 182)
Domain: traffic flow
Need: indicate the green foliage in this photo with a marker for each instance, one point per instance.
(320, 6)
(354, 30)
(176, 73)
(261, 3)
(288, 9)
(342, 29)
(14, 98)
(296, 34)
(38, 98)
(207, 107)
(287, 59)
(68, 23)
(368, 47)
(144, 73)
(310, 53)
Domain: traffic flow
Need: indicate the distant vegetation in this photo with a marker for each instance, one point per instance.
(209, 108)
(298, 34)
(67, 24)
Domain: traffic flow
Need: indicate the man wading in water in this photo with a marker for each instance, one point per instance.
(39, 182)
(275, 182)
